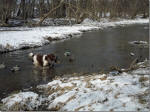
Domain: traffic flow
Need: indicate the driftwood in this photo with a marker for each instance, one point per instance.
(132, 66)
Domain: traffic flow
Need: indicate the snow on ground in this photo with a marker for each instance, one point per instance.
(93, 92)
(35, 37)
(108, 22)
(99, 93)
(20, 37)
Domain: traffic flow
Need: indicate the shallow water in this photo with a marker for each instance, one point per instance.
(94, 52)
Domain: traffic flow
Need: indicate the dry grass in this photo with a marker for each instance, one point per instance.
(142, 98)
(116, 85)
(142, 79)
(79, 108)
(71, 98)
(52, 39)
(103, 78)
(109, 90)
(101, 89)
(88, 85)
(61, 104)
(18, 106)
(124, 104)
(111, 110)
(116, 95)
(142, 101)
(50, 90)
(57, 107)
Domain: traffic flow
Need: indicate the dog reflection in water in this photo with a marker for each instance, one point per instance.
(47, 60)
(43, 73)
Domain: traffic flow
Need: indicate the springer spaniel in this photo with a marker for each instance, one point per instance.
(43, 60)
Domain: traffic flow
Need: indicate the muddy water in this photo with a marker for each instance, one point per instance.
(93, 52)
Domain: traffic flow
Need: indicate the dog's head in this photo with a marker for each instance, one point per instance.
(51, 58)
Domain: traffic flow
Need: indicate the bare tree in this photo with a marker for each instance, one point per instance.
(78, 9)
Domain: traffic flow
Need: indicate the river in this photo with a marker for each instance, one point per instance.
(94, 51)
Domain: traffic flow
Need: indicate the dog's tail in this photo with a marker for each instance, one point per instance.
(31, 55)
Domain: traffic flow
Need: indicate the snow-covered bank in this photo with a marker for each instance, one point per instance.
(22, 101)
(119, 22)
(94, 92)
(30, 37)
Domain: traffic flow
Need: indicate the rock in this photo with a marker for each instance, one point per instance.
(114, 72)
(70, 36)
(50, 39)
(2, 66)
(16, 68)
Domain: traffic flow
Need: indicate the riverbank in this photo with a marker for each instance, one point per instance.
(24, 37)
(93, 92)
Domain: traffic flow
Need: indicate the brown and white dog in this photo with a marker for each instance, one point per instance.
(43, 60)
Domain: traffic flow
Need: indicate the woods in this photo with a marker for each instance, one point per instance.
(78, 9)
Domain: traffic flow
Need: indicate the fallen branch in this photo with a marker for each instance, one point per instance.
(132, 66)
(48, 14)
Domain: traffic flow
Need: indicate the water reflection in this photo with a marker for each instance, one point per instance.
(43, 74)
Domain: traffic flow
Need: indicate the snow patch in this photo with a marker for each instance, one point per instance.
(21, 101)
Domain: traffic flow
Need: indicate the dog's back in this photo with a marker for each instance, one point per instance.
(38, 60)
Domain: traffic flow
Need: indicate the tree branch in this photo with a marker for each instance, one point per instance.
(49, 13)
